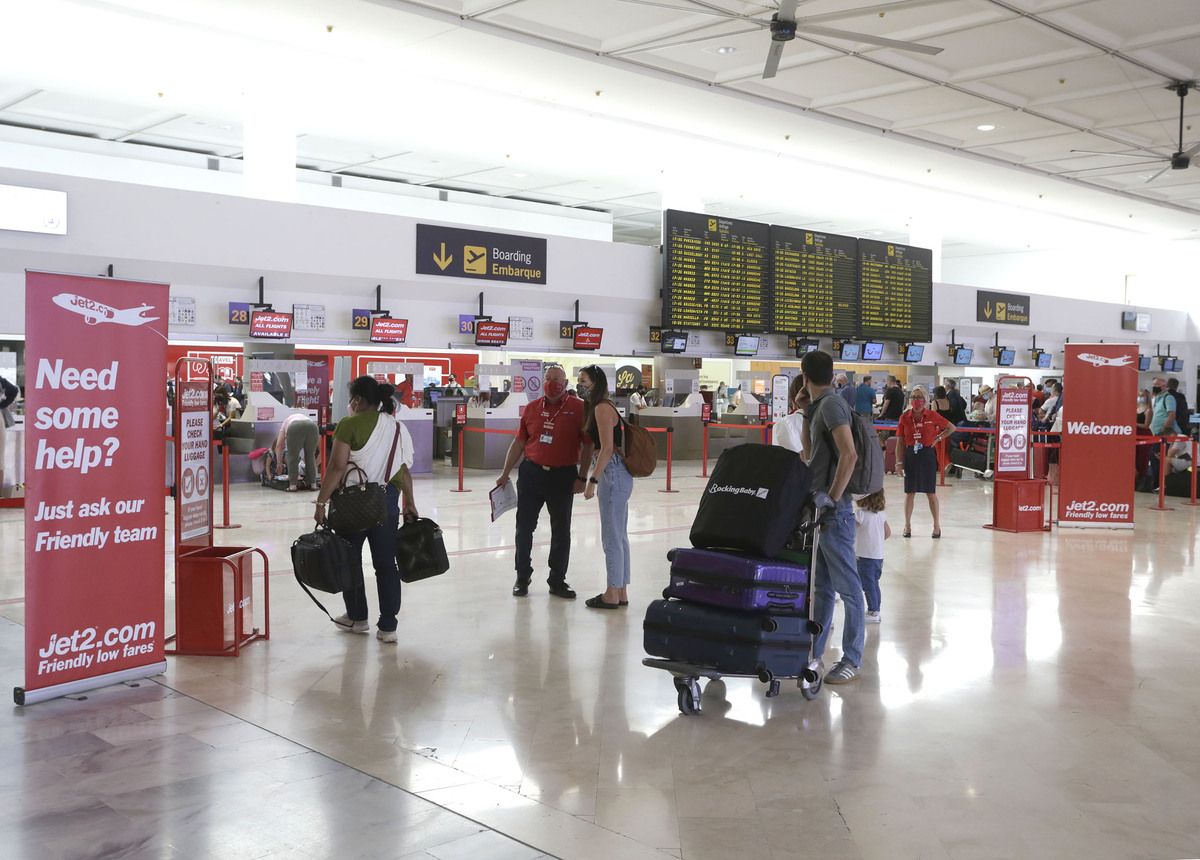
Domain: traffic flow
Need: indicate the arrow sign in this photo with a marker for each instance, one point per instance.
(441, 259)
(987, 309)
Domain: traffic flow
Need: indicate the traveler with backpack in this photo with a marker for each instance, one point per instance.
(832, 453)
(611, 482)
(920, 430)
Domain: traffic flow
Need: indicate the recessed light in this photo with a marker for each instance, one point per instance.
(987, 126)
(520, 175)
(727, 49)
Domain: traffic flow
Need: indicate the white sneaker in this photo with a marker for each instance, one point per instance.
(388, 636)
(347, 626)
(872, 618)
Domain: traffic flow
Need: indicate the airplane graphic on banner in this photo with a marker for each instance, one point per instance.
(94, 312)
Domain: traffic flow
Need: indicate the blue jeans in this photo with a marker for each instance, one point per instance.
(838, 571)
(382, 540)
(869, 571)
(616, 486)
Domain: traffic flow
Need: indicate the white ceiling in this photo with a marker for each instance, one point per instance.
(601, 77)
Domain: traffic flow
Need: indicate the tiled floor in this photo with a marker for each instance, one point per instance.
(1025, 696)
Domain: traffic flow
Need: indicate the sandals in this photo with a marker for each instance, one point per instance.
(598, 602)
(937, 534)
(907, 533)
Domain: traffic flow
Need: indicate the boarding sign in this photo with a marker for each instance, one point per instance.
(95, 353)
(1097, 464)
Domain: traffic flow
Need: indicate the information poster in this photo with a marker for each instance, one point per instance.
(1097, 462)
(529, 377)
(195, 452)
(1012, 429)
(94, 553)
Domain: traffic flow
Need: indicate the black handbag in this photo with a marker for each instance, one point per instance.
(326, 562)
(420, 550)
(355, 508)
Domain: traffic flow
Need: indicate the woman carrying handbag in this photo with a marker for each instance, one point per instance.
(371, 446)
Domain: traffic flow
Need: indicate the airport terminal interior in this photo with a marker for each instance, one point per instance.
(455, 197)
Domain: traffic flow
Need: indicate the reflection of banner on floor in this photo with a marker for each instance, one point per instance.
(1099, 440)
(94, 354)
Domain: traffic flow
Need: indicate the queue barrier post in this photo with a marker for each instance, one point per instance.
(1162, 476)
(458, 447)
(1192, 501)
(704, 453)
(225, 523)
(670, 458)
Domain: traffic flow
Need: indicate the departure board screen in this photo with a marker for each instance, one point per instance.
(815, 283)
(895, 291)
(716, 273)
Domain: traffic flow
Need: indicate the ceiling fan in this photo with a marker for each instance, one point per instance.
(1181, 159)
(785, 26)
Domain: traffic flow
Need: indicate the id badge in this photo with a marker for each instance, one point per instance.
(546, 439)
(917, 446)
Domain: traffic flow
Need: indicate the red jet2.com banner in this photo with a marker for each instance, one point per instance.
(1098, 441)
(95, 355)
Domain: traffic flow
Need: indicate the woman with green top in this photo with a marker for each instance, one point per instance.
(364, 438)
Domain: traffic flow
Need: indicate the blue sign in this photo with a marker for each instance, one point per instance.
(239, 313)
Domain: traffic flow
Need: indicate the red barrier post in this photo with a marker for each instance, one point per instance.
(458, 428)
(225, 523)
(670, 457)
(1162, 476)
(704, 454)
(1192, 502)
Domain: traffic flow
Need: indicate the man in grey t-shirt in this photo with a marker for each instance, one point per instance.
(829, 451)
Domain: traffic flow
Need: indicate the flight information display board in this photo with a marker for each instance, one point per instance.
(716, 273)
(815, 283)
(895, 291)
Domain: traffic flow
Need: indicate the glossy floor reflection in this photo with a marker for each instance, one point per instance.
(1025, 696)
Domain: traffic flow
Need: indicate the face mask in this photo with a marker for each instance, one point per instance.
(555, 388)
(918, 404)
(584, 390)
(1157, 389)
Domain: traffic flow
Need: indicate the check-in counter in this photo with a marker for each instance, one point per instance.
(687, 426)
(12, 460)
(444, 424)
(419, 423)
(487, 450)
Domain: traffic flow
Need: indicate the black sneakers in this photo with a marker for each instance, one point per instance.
(561, 589)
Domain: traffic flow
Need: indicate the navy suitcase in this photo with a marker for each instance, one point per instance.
(733, 643)
(740, 582)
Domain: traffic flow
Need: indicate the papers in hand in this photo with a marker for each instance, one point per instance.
(503, 499)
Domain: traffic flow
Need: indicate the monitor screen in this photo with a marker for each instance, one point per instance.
(914, 352)
(1144, 362)
(1006, 357)
(491, 333)
(388, 330)
(806, 346)
(747, 345)
(851, 351)
(270, 325)
(674, 341)
(1176, 365)
(1045, 360)
(588, 338)
(963, 355)
(872, 351)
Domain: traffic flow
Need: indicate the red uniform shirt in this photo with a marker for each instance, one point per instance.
(562, 422)
(924, 430)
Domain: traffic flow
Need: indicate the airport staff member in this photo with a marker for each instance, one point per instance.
(556, 454)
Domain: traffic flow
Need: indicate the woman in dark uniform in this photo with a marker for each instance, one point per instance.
(920, 430)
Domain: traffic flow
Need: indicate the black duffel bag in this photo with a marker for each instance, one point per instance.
(752, 501)
(326, 562)
(420, 550)
(358, 507)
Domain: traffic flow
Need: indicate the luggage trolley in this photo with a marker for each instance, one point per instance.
(687, 675)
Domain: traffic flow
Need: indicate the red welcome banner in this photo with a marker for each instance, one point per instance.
(1098, 440)
(94, 353)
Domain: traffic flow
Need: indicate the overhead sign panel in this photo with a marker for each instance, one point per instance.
(895, 292)
(455, 253)
(816, 282)
(1004, 308)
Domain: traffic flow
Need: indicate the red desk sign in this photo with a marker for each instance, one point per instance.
(95, 512)
(706, 412)
(1097, 460)
(587, 338)
(460, 413)
(488, 333)
(764, 412)
(270, 325)
(388, 330)
(1012, 425)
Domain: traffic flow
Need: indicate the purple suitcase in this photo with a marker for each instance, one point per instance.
(734, 581)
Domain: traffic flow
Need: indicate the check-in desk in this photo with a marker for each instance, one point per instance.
(722, 438)
(419, 423)
(688, 428)
(487, 450)
(12, 460)
(444, 427)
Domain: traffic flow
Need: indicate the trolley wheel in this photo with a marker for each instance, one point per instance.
(689, 695)
(770, 625)
(810, 689)
(773, 689)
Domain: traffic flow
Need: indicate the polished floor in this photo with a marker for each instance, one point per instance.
(1028, 695)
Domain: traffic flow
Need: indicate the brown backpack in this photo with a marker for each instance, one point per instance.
(641, 454)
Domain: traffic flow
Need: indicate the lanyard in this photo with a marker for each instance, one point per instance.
(547, 418)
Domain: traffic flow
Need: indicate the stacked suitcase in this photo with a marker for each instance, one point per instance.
(739, 599)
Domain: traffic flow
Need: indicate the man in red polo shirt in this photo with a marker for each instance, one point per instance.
(554, 452)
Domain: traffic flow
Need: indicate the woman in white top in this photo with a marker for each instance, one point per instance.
(786, 432)
(365, 438)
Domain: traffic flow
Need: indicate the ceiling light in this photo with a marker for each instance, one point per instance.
(520, 175)
(727, 49)
(987, 126)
